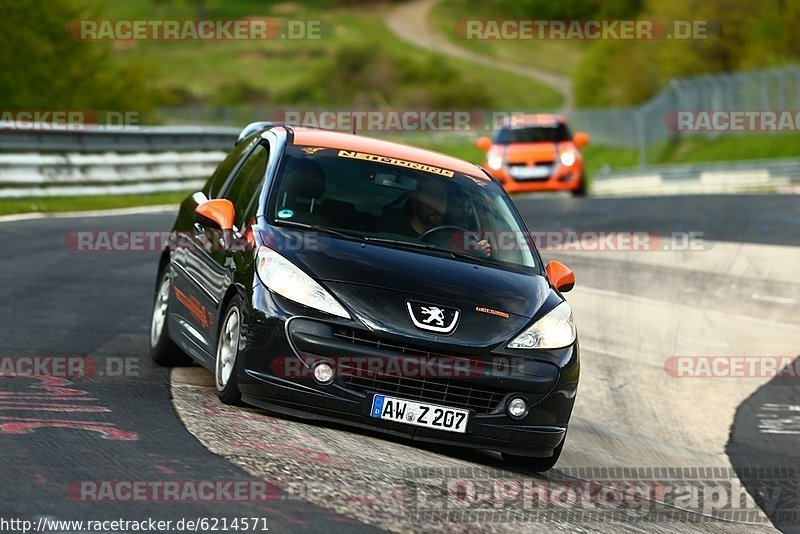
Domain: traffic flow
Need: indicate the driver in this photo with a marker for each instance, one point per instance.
(427, 207)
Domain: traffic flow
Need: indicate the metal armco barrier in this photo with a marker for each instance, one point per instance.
(50, 175)
(42, 162)
(39, 138)
(766, 175)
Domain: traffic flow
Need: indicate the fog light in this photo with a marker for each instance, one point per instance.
(324, 373)
(517, 407)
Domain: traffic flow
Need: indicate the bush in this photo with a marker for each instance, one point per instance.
(43, 68)
(367, 75)
(742, 35)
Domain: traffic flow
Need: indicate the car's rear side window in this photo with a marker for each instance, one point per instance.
(215, 184)
(247, 182)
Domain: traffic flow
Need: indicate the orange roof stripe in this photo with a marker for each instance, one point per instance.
(370, 145)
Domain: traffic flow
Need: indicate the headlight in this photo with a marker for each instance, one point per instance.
(494, 159)
(286, 279)
(568, 157)
(553, 331)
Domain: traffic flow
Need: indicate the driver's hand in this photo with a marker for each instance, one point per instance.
(485, 247)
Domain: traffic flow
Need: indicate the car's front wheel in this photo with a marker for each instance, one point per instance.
(581, 190)
(227, 356)
(538, 465)
(163, 350)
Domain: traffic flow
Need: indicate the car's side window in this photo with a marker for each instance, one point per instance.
(227, 167)
(247, 183)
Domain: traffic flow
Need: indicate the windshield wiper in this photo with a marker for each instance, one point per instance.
(320, 229)
(427, 246)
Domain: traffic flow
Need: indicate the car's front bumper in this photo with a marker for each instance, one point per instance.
(559, 179)
(280, 346)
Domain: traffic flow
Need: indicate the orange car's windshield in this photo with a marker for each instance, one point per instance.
(533, 134)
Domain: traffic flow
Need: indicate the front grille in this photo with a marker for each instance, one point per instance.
(454, 393)
(374, 342)
(450, 393)
(533, 164)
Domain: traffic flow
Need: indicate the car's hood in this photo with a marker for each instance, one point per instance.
(376, 281)
(531, 153)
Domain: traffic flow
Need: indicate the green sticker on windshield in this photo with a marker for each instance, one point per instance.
(285, 214)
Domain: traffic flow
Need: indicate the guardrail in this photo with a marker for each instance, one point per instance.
(162, 159)
(760, 175)
(49, 175)
(86, 138)
(41, 162)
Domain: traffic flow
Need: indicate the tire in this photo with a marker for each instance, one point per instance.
(163, 350)
(581, 190)
(226, 358)
(537, 465)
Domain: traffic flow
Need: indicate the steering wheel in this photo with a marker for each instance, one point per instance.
(448, 242)
(436, 229)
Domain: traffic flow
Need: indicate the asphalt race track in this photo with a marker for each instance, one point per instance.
(735, 295)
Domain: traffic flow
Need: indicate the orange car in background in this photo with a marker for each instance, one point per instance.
(536, 153)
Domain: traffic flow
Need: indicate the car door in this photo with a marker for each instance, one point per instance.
(208, 265)
(187, 311)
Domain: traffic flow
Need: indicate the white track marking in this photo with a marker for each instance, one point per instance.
(649, 300)
(779, 419)
(775, 299)
(93, 213)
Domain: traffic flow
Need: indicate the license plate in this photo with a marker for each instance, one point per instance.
(530, 172)
(419, 414)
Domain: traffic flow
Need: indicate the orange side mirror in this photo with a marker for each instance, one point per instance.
(581, 139)
(560, 276)
(218, 213)
(483, 144)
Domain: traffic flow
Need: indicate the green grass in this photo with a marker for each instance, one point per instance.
(732, 147)
(205, 71)
(28, 205)
(696, 150)
(562, 57)
(597, 157)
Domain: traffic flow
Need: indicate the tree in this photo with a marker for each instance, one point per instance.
(43, 68)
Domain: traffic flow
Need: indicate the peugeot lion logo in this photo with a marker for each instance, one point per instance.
(434, 318)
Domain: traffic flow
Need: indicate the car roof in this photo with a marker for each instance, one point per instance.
(380, 147)
(532, 119)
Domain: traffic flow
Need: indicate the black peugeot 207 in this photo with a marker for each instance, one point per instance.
(338, 277)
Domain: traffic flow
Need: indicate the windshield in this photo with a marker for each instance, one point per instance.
(555, 133)
(401, 203)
